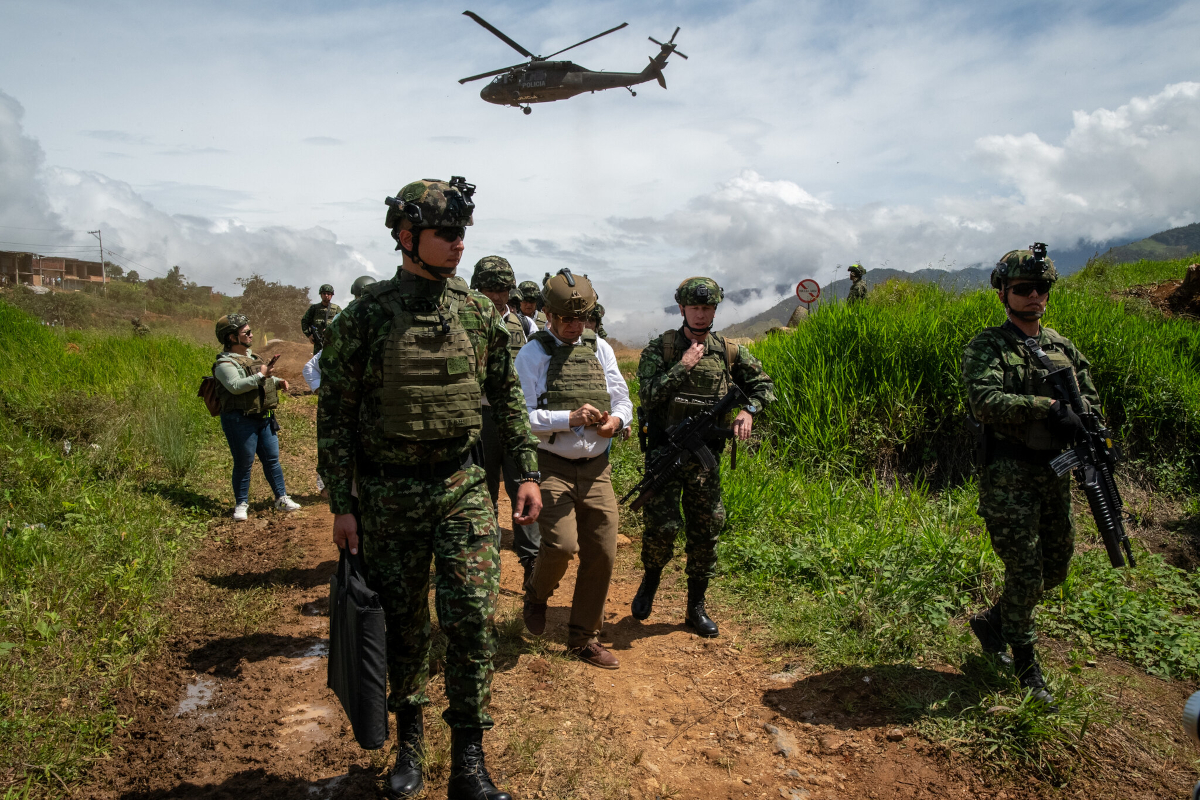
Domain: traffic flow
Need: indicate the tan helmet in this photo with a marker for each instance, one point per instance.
(568, 295)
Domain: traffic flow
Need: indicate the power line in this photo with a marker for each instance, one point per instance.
(52, 245)
(48, 230)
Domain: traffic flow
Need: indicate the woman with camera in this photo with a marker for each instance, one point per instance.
(248, 392)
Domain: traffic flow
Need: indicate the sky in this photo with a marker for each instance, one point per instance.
(797, 138)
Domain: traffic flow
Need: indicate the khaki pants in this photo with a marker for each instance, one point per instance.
(579, 515)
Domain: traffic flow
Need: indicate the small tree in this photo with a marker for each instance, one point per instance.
(273, 306)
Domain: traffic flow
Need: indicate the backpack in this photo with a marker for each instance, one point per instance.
(208, 393)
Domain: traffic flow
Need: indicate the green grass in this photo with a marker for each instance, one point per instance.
(852, 525)
(98, 435)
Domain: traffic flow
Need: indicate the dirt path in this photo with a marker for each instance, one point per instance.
(237, 707)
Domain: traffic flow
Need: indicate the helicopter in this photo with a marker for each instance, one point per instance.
(543, 81)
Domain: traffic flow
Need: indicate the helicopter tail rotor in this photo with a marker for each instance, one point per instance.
(668, 47)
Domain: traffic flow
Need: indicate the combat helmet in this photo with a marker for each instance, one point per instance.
(430, 203)
(230, 323)
(361, 283)
(699, 292)
(1032, 263)
(856, 270)
(325, 287)
(568, 295)
(530, 291)
(494, 274)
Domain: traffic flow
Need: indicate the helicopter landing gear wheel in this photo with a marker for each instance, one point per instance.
(526, 110)
(633, 93)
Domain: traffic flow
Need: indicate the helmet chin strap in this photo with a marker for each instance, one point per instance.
(697, 331)
(1027, 316)
(441, 272)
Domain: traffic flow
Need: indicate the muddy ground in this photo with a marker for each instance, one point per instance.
(235, 704)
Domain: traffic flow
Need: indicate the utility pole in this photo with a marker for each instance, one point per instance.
(103, 271)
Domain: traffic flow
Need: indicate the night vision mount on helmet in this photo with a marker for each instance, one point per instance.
(543, 81)
(1032, 263)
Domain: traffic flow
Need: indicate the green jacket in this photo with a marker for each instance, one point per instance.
(350, 426)
(318, 318)
(659, 381)
(1003, 379)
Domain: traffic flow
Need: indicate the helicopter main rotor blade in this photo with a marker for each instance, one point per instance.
(490, 74)
(585, 41)
(498, 33)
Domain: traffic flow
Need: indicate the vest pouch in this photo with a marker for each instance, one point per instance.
(1037, 433)
(574, 375)
(706, 383)
(430, 388)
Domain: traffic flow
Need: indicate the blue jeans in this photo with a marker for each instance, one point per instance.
(247, 436)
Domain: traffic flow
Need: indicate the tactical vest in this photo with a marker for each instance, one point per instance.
(1034, 434)
(574, 376)
(255, 402)
(430, 373)
(706, 383)
(516, 333)
(539, 319)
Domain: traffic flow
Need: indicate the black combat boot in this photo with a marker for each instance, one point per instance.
(1030, 674)
(986, 627)
(643, 601)
(695, 616)
(527, 568)
(405, 780)
(469, 779)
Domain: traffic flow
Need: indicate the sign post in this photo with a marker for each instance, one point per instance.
(807, 292)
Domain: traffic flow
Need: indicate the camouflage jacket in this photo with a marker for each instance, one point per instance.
(352, 367)
(998, 373)
(659, 381)
(318, 318)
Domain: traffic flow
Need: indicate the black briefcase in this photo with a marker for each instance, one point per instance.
(357, 652)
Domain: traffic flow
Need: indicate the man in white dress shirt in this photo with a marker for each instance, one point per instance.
(577, 402)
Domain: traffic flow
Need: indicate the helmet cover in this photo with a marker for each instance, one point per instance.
(230, 323)
(1032, 263)
(699, 292)
(494, 274)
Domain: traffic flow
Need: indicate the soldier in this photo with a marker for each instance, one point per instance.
(578, 401)
(858, 290)
(681, 371)
(139, 328)
(493, 277)
(399, 409)
(595, 321)
(514, 302)
(316, 319)
(531, 303)
(1027, 508)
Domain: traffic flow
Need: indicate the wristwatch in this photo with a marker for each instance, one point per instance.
(751, 409)
(535, 477)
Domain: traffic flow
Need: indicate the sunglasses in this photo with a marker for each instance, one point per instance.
(246, 333)
(450, 234)
(1034, 287)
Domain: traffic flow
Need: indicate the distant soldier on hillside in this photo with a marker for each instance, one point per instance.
(316, 319)
(858, 290)
(1026, 506)
(139, 329)
(680, 373)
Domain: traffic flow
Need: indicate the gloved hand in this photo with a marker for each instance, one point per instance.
(1063, 422)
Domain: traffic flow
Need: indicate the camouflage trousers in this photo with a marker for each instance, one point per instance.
(406, 523)
(1027, 509)
(702, 519)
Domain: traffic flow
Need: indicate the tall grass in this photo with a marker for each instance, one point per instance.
(877, 386)
(97, 434)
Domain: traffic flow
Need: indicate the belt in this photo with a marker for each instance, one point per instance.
(1004, 448)
(575, 461)
(437, 470)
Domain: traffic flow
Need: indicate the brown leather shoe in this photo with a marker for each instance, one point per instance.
(534, 615)
(595, 654)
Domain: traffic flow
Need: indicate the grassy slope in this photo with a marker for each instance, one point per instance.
(835, 537)
(91, 533)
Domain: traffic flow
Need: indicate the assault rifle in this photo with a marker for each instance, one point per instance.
(686, 440)
(1093, 459)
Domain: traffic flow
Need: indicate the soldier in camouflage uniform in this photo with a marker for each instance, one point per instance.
(1026, 506)
(318, 316)
(406, 367)
(531, 303)
(595, 321)
(682, 371)
(493, 277)
(858, 290)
